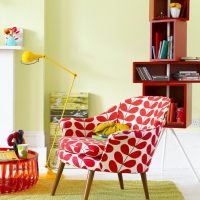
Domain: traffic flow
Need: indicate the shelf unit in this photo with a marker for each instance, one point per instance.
(180, 93)
(156, 7)
(77, 107)
(166, 68)
(162, 27)
(163, 30)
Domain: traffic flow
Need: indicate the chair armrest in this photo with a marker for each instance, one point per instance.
(130, 151)
(83, 127)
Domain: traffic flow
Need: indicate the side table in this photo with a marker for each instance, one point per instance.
(17, 175)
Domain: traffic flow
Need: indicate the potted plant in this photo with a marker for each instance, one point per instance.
(175, 9)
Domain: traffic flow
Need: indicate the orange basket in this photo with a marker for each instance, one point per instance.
(17, 175)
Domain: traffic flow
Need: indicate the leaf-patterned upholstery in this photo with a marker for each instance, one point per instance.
(128, 151)
(125, 151)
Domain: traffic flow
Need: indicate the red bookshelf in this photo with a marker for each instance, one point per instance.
(168, 75)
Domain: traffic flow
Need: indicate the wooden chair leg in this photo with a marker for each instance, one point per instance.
(88, 184)
(121, 183)
(58, 175)
(145, 186)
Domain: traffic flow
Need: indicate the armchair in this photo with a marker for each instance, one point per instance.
(128, 151)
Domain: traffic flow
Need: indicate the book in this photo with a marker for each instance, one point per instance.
(187, 78)
(160, 78)
(147, 73)
(153, 52)
(188, 72)
(170, 47)
(191, 59)
(140, 73)
(158, 39)
(164, 49)
(175, 124)
(160, 47)
(8, 155)
(172, 112)
(144, 73)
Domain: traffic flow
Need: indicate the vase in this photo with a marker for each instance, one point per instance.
(11, 41)
(175, 12)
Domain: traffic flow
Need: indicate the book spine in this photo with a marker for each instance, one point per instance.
(163, 53)
(147, 73)
(158, 39)
(153, 52)
(144, 73)
(140, 73)
(169, 47)
(187, 72)
(160, 47)
(170, 50)
(172, 112)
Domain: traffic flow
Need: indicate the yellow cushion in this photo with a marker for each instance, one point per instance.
(110, 127)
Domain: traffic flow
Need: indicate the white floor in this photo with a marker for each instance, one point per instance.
(184, 179)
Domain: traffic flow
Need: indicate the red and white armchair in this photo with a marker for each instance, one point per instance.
(128, 151)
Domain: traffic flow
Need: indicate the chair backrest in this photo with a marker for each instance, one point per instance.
(143, 112)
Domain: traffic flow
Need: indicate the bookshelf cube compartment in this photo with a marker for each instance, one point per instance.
(168, 39)
(169, 69)
(159, 9)
(153, 68)
(181, 97)
(191, 68)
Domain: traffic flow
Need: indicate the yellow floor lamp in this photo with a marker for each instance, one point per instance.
(29, 58)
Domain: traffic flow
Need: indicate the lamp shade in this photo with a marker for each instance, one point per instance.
(28, 57)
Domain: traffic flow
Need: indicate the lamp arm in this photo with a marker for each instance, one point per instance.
(59, 65)
(64, 108)
(63, 112)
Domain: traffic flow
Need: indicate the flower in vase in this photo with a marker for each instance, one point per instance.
(175, 5)
(175, 9)
(11, 35)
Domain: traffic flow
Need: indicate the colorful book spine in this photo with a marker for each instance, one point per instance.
(164, 48)
(153, 52)
(158, 39)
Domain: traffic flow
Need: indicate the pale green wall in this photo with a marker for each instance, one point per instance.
(193, 44)
(98, 39)
(29, 81)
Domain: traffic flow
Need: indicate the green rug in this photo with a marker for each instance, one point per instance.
(108, 190)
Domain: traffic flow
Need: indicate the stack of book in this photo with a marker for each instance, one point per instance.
(160, 78)
(144, 73)
(187, 76)
(163, 49)
(191, 58)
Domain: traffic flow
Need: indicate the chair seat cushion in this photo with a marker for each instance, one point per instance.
(80, 160)
(82, 145)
